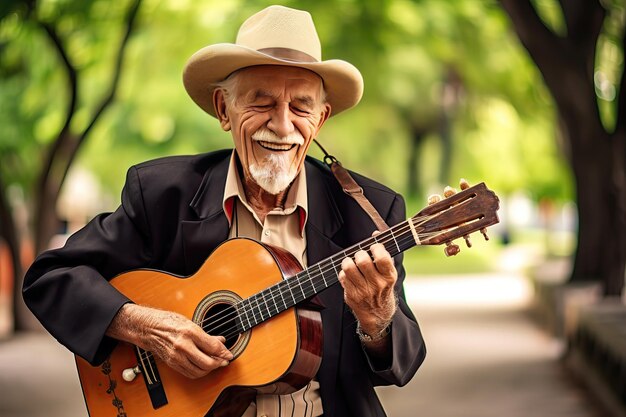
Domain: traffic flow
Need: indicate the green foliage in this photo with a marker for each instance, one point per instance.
(501, 123)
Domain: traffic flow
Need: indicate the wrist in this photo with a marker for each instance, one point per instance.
(373, 334)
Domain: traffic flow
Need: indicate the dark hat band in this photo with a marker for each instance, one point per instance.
(288, 54)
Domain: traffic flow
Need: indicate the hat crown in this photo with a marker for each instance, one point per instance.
(281, 27)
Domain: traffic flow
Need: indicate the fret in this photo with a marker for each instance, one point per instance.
(301, 289)
(395, 241)
(265, 303)
(311, 280)
(258, 306)
(271, 292)
(280, 291)
(319, 266)
(290, 289)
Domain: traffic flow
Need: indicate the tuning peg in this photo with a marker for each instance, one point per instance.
(435, 198)
(464, 184)
(484, 232)
(451, 249)
(448, 191)
(468, 242)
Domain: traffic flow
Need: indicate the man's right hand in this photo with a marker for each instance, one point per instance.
(172, 337)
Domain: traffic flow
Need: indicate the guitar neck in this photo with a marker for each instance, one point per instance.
(316, 278)
(468, 211)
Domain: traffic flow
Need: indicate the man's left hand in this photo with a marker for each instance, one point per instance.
(368, 284)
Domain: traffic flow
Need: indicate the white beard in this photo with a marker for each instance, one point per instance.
(274, 173)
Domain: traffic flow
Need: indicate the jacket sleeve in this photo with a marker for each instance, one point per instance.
(67, 289)
(408, 349)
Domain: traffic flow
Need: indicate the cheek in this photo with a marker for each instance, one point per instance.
(248, 124)
(301, 152)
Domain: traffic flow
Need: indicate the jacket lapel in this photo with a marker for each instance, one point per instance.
(210, 228)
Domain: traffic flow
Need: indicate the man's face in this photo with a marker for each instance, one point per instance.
(275, 114)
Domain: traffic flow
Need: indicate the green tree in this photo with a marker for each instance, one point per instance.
(578, 45)
(64, 121)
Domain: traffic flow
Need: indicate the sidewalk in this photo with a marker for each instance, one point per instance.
(485, 358)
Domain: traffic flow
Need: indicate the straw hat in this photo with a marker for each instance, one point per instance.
(276, 35)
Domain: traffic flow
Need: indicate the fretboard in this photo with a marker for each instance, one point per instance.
(316, 278)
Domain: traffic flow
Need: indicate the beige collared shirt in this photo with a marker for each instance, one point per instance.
(283, 227)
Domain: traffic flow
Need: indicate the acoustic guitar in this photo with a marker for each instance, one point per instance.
(255, 296)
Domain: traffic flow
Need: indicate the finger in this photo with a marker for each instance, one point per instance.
(189, 369)
(342, 277)
(383, 260)
(207, 363)
(365, 264)
(213, 346)
(350, 270)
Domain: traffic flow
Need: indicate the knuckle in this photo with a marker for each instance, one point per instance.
(362, 261)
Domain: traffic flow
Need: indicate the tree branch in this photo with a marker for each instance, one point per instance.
(108, 99)
(131, 19)
(532, 32)
(72, 77)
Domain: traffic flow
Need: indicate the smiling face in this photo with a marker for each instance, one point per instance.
(273, 112)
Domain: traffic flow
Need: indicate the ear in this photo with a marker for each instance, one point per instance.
(324, 115)
(219, 104)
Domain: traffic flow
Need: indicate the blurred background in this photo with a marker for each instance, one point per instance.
(525, 95)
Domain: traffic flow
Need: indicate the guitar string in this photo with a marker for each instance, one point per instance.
(329, 263)
(233, 331)
(310, 283)
(405, 238)
(309, 279)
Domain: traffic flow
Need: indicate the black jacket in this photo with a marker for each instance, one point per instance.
(171, 219)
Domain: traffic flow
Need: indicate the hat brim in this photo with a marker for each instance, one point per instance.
(342, 81)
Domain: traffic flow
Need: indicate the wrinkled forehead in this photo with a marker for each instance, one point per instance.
(276, 80)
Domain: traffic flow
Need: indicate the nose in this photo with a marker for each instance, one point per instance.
(280, 121)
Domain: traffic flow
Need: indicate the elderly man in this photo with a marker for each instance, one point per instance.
(273, 92)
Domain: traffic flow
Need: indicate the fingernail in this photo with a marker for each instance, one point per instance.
(225, 363)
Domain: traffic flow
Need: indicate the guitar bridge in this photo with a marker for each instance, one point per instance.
(151, 377)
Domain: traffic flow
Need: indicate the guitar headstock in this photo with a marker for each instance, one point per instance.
(457, 215)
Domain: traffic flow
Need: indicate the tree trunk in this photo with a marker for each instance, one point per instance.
(600, 253)
(596, 156)
(8, 231)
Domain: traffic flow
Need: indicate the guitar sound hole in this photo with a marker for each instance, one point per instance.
(220, 320)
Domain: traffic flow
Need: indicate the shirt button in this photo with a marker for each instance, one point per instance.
(266, 233)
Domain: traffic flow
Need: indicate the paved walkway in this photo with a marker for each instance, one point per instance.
(485, 359)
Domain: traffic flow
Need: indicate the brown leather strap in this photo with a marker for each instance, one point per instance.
(353, 189)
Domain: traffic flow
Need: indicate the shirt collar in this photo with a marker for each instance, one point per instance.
(296, 196)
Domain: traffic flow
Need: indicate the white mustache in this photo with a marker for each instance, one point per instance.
(266, 135)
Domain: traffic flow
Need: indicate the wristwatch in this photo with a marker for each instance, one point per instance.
(364, 337)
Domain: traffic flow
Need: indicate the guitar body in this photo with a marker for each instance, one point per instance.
(278, 356)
